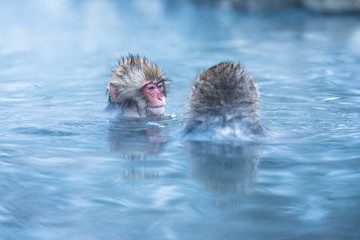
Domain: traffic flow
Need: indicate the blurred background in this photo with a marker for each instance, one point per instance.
(316, 6)
(70, 170)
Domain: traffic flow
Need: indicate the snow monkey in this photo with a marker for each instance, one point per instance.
(137, 88)
(224, 95)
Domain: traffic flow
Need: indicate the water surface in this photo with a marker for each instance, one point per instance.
(69, 170)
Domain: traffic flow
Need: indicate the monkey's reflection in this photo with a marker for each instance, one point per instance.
(225, 168)
(136, 140)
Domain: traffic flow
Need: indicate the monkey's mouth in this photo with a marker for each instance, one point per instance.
(156, 106)
(155, 110)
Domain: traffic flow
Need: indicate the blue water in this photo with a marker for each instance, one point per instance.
(69, 170)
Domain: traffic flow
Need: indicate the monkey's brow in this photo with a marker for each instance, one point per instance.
(161, 79)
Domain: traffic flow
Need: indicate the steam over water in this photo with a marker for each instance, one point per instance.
(69, 170)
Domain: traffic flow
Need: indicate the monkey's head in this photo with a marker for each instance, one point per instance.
(137, 86)
(223, 94)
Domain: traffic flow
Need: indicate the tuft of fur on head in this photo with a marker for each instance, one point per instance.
(129, 77)
(223, 94)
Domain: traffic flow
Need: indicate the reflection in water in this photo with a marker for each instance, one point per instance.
(225, 168)
(136, 139)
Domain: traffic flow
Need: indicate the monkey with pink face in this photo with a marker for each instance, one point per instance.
(137, 88)
(224, 97)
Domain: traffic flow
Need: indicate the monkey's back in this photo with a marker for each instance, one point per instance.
(223, 95)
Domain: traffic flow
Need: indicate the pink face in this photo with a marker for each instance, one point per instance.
(156, 98)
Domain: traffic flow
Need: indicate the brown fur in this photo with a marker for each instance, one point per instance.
(129, 77)
(223, 94)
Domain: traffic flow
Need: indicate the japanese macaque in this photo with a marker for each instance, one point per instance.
(224, 95)
(137, 88)
(224, 106)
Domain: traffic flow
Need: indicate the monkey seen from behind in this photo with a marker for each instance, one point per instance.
(224, 97)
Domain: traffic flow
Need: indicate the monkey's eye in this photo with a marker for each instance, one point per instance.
(160, 86)
(150, 87)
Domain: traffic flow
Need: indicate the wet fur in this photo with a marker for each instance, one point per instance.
(129, 77)
(224, 95)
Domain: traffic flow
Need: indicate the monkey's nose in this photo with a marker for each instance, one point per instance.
(159, 96)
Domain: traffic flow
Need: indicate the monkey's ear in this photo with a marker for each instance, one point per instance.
(253, 87)
(114, 93)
